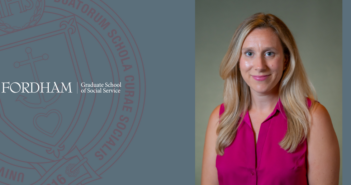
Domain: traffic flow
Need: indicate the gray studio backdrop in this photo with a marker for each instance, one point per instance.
(317, 28)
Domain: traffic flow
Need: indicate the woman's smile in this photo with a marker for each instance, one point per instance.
(260, 77)
(262, 61)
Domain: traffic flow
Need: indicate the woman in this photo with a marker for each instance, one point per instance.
(270, 129)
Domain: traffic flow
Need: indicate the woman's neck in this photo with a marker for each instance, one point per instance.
(263, 102)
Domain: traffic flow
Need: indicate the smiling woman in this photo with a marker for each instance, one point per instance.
(262, 60)
(269, 118)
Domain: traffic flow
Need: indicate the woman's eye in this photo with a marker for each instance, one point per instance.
(248, 53)
(269, 53)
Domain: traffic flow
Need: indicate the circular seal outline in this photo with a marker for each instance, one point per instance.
(113, 157)
(111, 160)
(144, 77)
(139, 76)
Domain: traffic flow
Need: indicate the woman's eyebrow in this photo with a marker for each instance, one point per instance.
(264, 49)
(269, 48)
(246, 49)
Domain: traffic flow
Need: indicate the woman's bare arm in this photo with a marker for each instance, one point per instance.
(209, 170)
(323, 149)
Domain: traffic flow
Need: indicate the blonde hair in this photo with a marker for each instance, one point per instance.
(294, 86)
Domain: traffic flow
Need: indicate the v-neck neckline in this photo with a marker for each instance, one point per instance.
(278, 107)
(262, 132)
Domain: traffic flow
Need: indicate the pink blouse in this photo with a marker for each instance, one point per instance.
(267, 164)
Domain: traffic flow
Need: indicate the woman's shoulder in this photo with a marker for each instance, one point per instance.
(217, 111)
(311, 102)
(322, 139)
(320, 114)
(322, 133)
(209, 170)
(214, 119)
(315, 107)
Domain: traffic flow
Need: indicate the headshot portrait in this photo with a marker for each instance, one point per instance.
(268, 95)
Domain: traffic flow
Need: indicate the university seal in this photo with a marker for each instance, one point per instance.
(64, 136)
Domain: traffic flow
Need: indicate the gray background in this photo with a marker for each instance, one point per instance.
(346, 46)
(316, 26)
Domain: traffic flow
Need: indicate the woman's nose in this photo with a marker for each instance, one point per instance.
(260, 63)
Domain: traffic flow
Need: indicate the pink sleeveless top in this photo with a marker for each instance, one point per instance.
(267, 164)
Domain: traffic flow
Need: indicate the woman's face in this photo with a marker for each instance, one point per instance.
(262, 61)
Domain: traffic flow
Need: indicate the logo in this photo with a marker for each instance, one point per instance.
(72, 91)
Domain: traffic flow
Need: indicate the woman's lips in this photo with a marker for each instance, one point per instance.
(260, 77)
